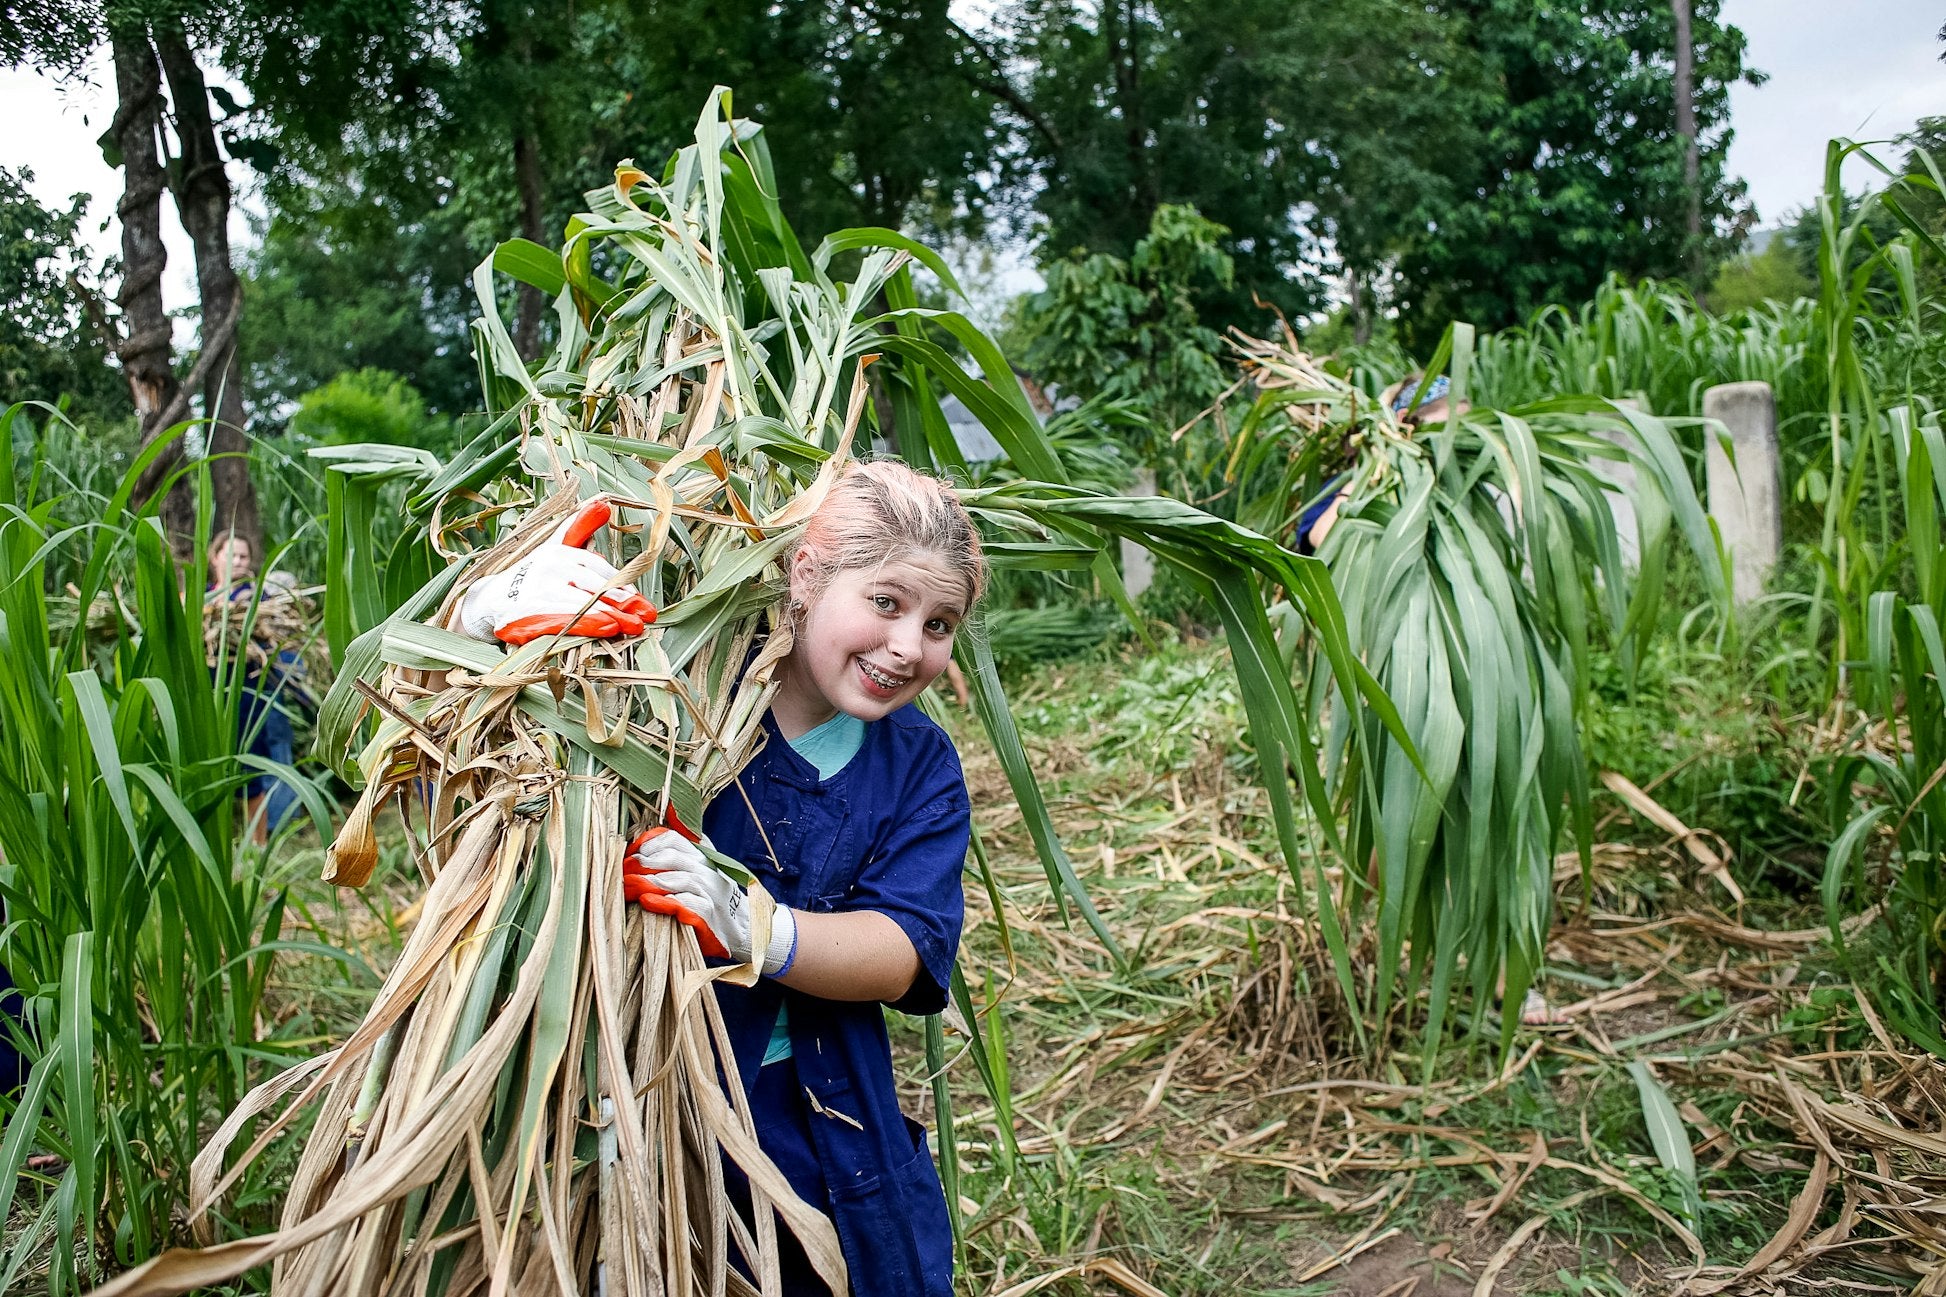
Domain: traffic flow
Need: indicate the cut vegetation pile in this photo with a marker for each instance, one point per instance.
(276, 631)
(1712, 1110)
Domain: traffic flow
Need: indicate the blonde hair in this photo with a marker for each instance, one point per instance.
(883, 511)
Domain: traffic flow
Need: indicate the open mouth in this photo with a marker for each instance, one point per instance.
(880, 680)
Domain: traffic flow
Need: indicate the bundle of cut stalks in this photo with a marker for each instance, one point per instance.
(280, 631)
(1282, 364)
(107, 613)
(542, 1097)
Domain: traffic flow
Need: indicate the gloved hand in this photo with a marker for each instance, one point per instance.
(543, 593)
(666, 874)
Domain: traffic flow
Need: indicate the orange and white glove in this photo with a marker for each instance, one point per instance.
(665, 874)
(546, 592)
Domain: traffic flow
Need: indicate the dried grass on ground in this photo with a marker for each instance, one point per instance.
(1206, 1120)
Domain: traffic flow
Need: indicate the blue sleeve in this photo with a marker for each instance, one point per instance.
(1316, 510)
(913, 877)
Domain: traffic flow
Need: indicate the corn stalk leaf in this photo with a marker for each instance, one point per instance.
(1669, 1138)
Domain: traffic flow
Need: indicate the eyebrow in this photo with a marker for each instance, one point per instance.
(893, 583)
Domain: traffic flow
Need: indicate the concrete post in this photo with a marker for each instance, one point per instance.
(1746, 498)
(1138, 565)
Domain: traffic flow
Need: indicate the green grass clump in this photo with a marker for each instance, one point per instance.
(142, 937)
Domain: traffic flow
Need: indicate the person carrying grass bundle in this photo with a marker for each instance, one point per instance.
(1413, 401)
(272, 670)
(855, 818)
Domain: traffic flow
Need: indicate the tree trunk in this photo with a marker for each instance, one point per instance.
(1361, 311)
(533, 204)
(1686, 128)
(146, 351)
(203, 201)
(1127, 55)
(533, 225)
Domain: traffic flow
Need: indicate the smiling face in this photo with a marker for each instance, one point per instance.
(870, 641)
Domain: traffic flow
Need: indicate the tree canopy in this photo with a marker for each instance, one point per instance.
(1573, 167)
(1297, 127)
(50, 347)
(1469, 159)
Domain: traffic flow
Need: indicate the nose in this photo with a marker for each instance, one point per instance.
(903, 639)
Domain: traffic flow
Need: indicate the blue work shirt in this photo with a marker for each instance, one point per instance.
(887, 833)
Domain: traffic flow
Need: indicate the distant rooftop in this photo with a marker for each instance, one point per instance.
(975, 443)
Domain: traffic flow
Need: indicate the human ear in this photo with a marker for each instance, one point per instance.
(802, 577)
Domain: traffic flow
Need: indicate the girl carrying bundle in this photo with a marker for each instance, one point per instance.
(854, 816)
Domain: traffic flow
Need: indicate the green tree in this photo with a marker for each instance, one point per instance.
(1129, 330)
(52, 340)
(1775, 274)
(477, 118)
(882, 102)
(58, 40)
(1290, 125)
(369, 405)
(1579, 168)
(168, 135)
(337, 284)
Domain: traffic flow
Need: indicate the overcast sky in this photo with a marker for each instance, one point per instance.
(1867, 69)
(1862, 69)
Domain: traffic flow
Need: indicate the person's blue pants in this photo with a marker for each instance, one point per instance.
(14, 1066)
(270, 736)
(788, 1142)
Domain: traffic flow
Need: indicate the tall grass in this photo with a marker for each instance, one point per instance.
(141, 939)
(1834, 363)
(1863, 539)
(1654, 343)
(1882, 575)
(87, 462)
(1859, 373)
(1892, 783)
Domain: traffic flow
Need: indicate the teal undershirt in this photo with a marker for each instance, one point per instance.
(829, 748)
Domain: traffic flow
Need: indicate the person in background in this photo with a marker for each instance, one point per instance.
(231, 564)
(1316, 522)
(1434, 407)
(956, 681)
(270, 688)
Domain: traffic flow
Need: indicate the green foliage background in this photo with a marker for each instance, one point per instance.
(1172, 170)
(49, 348)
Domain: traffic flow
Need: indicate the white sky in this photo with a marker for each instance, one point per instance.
(1862, 69)
(1867, 69)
